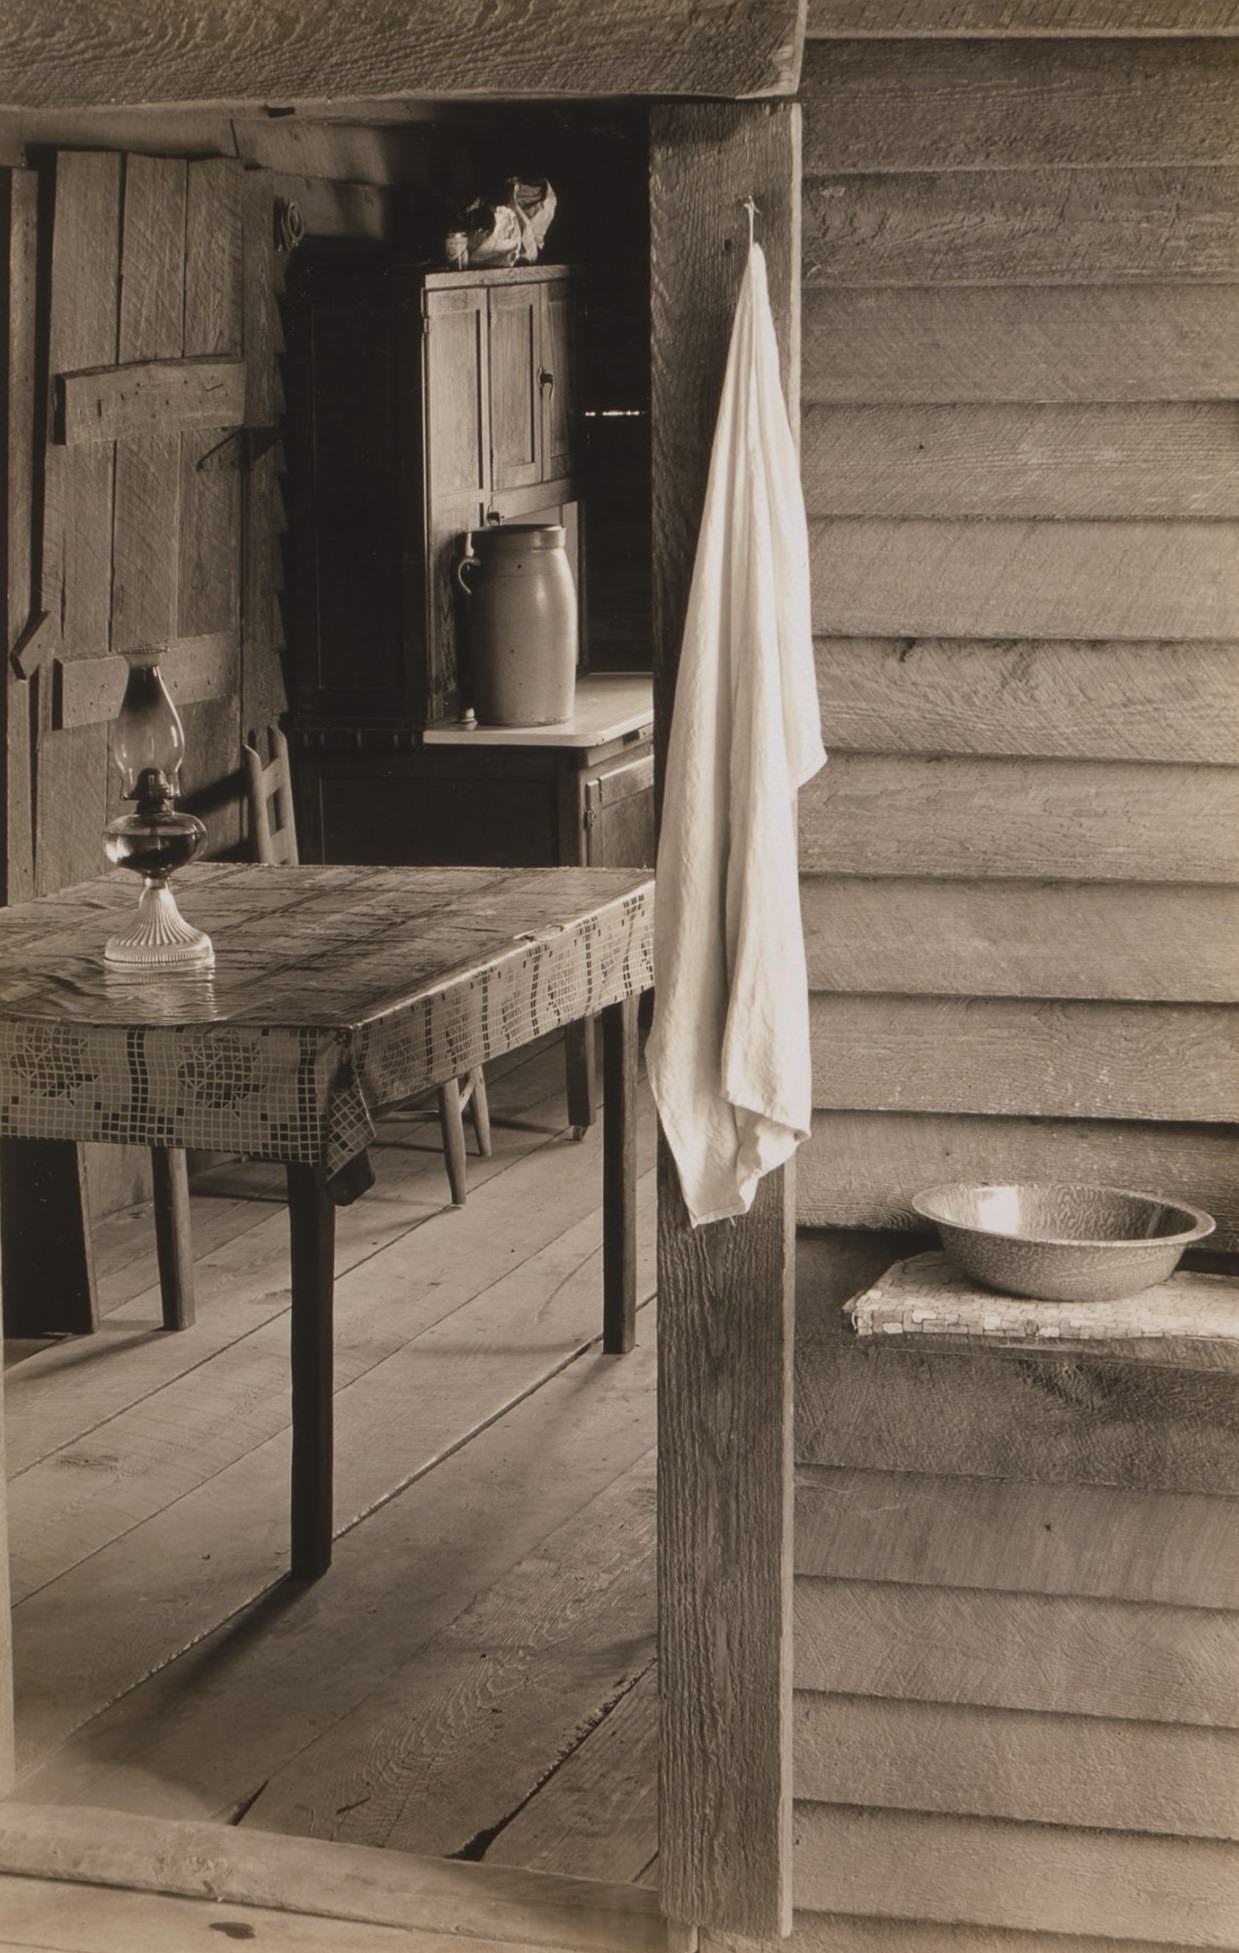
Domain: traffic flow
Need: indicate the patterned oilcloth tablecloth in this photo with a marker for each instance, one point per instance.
(929, 1296)
(337, 992)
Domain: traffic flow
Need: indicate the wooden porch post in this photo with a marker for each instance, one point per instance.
(725, 1291)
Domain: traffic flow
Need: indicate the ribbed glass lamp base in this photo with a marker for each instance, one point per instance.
(159, 938)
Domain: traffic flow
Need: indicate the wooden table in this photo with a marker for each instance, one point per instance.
(337, 993)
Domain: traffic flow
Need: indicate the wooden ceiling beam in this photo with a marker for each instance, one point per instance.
(232, 53)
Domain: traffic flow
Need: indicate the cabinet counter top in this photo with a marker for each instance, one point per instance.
(608, 705)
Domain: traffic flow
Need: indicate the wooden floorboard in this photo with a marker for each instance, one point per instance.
(443, 1750)
(55, 1399)
(141, 1461)
(494, 1486)
(597, 1815)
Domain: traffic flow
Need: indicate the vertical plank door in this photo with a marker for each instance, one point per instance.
(725, 1304)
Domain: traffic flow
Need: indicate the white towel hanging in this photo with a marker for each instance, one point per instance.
(729, 1053)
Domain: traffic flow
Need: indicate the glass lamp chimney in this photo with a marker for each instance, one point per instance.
(148, 737)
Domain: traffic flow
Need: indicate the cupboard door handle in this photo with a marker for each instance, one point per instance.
(546, 379)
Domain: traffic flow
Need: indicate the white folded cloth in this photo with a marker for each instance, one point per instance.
(728, 1057)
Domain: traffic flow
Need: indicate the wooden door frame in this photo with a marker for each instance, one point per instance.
(725, 1400)
(724, 1291)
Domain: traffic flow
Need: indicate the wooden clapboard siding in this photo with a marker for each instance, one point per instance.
(1021, 234)
(1093, 1771)
(1032, 227)
(861, 1169)
(1067, 1060)
(990, 1872)
(1117, 461)
(1161, 700)
(1003, 104)
(1137, 1421)
(1034, 343)
(833, 1932)
(1045, 819)
(1052, 18)
(1054, 1653)
(922, 1529)
(1124, 940)
(1033, 579)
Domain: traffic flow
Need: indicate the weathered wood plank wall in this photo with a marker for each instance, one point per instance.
(128, 277)
(1015, 1663)
(1021, 463)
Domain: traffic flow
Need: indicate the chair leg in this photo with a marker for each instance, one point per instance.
(480, 1110)
(581, 1065)
(452, 1126)
(173, 1241)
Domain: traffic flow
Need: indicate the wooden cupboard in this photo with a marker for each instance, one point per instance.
(421, 405)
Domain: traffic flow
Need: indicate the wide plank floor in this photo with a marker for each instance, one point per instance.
(474, 1676)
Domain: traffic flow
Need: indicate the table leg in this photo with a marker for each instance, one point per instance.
(619, 1176)
(45, 1245)
(173, 1240)
(312, 1229)
(579, 1053)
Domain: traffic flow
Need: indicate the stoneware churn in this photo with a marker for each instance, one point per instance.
(523, 624)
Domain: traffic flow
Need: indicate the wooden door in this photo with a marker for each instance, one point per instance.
(557, 379)
(130, 532)
(515, 396)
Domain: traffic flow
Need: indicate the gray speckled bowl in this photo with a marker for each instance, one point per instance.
(1062, 1243)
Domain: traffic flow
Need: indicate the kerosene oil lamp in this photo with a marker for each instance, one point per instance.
(148, 745)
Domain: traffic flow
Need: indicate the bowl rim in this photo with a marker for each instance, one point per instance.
(1203, 1224)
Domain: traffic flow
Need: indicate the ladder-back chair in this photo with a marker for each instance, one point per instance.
(273, 838)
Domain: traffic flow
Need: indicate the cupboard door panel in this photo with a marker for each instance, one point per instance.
(515, 405)
(557, 380)
(455, 394)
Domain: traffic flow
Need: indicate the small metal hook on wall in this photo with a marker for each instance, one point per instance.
(748, 204)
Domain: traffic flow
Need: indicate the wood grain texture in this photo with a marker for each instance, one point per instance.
(833, 1932)
(416, 1767)
(89, 690)
(1049, 1058)
(994, 1873)
(1157, 701)
(914, 18)
(211, 498)
(1100, 1774)
(20, 563)
(1147, 1422)
(303, 1875)
(597, 1817)
(1023, 227)
(1176, 1548)
(1031, 343)
(945, 938)
(145, 542)
(164, 1747)
(984, 579)
(47, 1916)
(228, 54)
(1044, 819)
(112, 403)
(333, 209)
(71, 785)
(724, 1538)
(1096, 462)
(1014, 104)
(1037, 1652)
